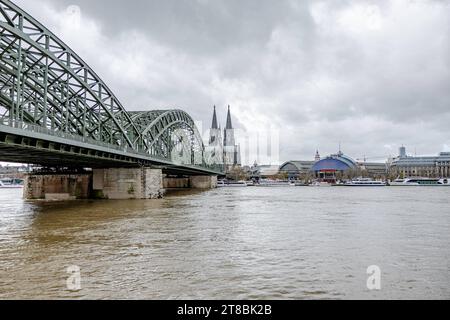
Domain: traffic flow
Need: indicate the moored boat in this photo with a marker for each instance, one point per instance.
(272, 183)
(9, 183)
(225, 183)
(320, 184)
(363, 182)
(295, 183)
(418, 181)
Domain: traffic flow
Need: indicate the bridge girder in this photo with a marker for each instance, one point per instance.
(47, 87)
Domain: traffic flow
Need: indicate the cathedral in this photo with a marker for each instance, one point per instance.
(224, 151)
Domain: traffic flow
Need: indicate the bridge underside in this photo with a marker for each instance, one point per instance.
(62, 153)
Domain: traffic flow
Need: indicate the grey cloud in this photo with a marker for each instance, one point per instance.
(371, 74)
(197, 26)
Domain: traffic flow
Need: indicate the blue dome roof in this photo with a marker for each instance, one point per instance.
(334, 162)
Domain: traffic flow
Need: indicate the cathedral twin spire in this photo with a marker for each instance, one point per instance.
(229, 124)
(231, 152)
(214, 120)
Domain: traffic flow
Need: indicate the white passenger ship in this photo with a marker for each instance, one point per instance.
(272, 183)
(364, 182)
(222, 183)
(417, 181)
(9, 183)
(320, 184)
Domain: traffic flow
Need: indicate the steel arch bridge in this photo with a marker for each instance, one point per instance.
(56, 111)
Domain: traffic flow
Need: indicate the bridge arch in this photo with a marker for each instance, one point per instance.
(67, 94)
(46, 87)
(167, 131)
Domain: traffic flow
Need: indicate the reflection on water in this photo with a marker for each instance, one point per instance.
(249, 243)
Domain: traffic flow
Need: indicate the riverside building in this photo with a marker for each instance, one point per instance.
(296, 168)
(424, 166)
(331, 167)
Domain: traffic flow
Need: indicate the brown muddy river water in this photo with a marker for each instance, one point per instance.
(230, 243)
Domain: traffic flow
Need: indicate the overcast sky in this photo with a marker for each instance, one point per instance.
(370, 74)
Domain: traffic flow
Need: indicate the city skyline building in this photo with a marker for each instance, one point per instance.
(427, 166)
(225, 151)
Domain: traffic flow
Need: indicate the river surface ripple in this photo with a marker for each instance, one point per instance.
(230, 243)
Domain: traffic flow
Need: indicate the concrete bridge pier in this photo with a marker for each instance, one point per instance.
(194, 182)
(171, 182)
(203, 182)
(127, 183)
(57, 186)
(110, 183)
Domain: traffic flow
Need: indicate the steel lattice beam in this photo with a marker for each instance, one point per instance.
(46, 88)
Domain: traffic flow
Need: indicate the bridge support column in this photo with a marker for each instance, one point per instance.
(128, 183)
(57, 186)
(203, 182)
(175, 183)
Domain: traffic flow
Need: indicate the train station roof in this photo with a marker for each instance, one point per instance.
(337, 162)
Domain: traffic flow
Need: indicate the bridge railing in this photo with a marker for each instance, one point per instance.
(65, 135)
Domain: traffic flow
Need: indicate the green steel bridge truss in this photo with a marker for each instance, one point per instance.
(55, 110)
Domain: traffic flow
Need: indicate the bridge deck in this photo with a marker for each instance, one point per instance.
(22, 146)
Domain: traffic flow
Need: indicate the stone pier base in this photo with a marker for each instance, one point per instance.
(111, 183)
(57, 186)
(128, 183)
(203, 182)
(175, 183)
